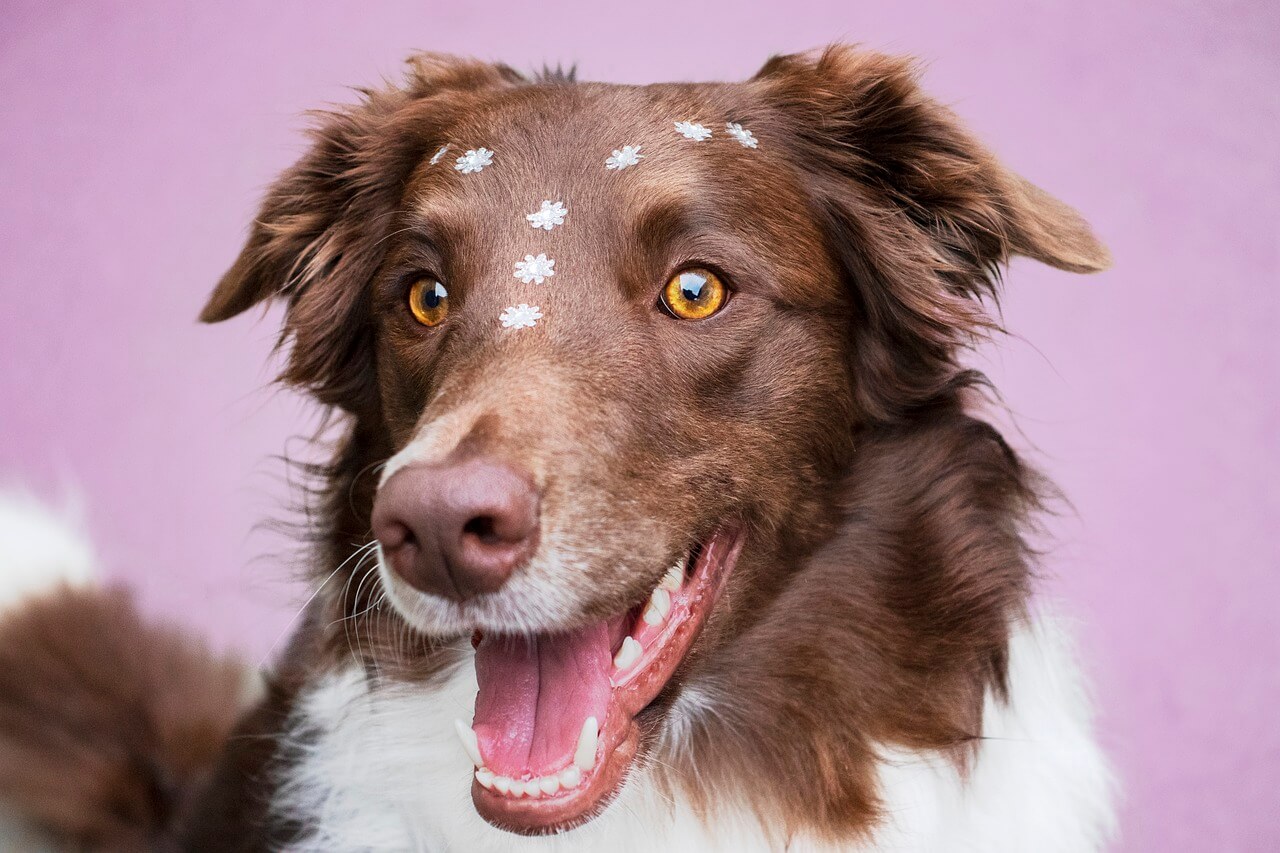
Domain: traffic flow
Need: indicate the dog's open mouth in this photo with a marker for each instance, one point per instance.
(554, 729)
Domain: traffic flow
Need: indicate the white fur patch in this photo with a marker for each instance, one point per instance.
(381, 769)
(39, 548)
(1040, 781)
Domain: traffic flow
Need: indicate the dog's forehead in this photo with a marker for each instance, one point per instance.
(598, 150)
(545, 189)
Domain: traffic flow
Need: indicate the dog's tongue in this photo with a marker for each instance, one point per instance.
(535, 694)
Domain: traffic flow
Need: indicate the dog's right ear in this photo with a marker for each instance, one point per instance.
(320, 234)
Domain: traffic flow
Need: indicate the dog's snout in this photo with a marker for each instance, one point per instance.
(457, 529)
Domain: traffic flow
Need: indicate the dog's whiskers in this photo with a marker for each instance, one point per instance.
(370, 569)
(363, 548)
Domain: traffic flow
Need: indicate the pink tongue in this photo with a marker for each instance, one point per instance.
(535, 694)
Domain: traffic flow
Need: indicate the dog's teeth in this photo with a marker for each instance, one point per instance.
(536, 788)
(570, 777)
(584, 757)
(629, 653)
(470, 743)
(659, 607)
(674, 578)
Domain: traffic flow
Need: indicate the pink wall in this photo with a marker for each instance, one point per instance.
(136, 142)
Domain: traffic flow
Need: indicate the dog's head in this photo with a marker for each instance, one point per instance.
(617, 347)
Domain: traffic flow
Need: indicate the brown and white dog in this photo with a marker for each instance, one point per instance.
(664, 517)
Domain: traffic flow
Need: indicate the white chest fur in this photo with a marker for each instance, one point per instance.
(383, 771)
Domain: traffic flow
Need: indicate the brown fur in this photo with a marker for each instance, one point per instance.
(824, 408)
(108, 724)
(891, 632)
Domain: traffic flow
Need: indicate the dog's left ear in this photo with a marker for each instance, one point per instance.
(920, 214)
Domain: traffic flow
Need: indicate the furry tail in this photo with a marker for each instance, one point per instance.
(108, 724)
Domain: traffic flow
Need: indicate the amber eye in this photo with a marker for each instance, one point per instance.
(694, 294)
(429, 301)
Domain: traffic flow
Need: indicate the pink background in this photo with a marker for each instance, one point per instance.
(137, 141)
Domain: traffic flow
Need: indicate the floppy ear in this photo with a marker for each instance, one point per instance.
(920, 214)
(319, 236)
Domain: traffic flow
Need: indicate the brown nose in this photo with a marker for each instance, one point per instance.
(456, 529)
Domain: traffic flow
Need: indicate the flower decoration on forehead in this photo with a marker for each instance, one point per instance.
(520, 316)
(548, 216)
(435, 158)
(693, 130)
(627, 155)
(474, 160)
(740, 133)
(535, 270)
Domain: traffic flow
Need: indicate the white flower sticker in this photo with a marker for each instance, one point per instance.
(628, 155)
(536, 270)
(474, 160)
(520, 316)
(693, 130)
(435, 158)
(740, 133)
(548, 216)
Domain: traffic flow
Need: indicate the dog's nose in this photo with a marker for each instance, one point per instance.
(456, 529)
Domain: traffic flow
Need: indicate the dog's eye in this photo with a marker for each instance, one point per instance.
(694, 294)
(429, 301)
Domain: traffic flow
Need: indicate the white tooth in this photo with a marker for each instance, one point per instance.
(467, 735)
(549, 785)
(570, 777)
(531, 789)
(674, 578)
(485, 777)
(584, 757)
(659, 607)
(629, 653)
(517, 788)
(502, 783)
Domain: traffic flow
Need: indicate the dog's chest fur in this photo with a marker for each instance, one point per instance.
(382, 770)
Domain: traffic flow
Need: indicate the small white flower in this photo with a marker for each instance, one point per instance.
(693, 130)
(474, 160)
(741, 134)
(435, 158)
(520, 316)
(535, 270)
(629, 155)
(548, 216)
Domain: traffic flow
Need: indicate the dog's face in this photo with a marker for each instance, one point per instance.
(603, 470)
(646, 417)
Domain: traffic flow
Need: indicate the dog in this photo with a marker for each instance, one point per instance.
(664, 515)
